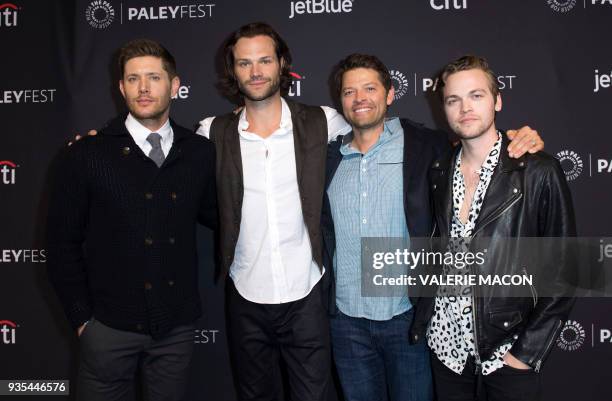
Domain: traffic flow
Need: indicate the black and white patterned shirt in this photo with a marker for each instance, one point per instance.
(451, 330)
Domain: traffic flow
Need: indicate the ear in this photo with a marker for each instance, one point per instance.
(121, 88)
(176, 83)
(498, 102)
(390, 95)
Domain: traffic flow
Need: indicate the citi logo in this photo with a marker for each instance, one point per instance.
(295, 90)
(7, 332)
(448, 4)
(182, 93)
(7, 172)
(602, 81)
(204, 336)
(320, 7)
(170, 12)
(8, 15)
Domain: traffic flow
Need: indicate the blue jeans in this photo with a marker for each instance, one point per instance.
(376, 362)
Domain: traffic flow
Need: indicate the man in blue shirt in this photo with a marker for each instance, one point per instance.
(377, 186)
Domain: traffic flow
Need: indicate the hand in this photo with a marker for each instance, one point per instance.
(524, 140)
(81, 328)
(92, 132)
(511, 361)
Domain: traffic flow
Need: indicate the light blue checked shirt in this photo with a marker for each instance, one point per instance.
(367, 200)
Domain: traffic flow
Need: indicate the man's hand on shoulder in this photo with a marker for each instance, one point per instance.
(524, 140)
(91, 132)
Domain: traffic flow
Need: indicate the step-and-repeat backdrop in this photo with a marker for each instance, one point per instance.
(57, 78)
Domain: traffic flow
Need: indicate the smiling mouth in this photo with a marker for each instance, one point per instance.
(362, 110)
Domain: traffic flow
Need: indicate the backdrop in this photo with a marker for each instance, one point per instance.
(57, 78)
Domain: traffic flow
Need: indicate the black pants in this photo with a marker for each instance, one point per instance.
(260, 335)
(504, 384)
(109, 359)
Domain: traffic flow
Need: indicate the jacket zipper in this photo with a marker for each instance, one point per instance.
(548, 345)
(534, 293)
(498, 215)
(474, 299)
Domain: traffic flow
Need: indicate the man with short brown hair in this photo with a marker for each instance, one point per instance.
(121, 237)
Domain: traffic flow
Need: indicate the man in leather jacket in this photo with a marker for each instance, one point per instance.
(483, 339)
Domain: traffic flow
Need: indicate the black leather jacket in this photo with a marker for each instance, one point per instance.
(527, 197)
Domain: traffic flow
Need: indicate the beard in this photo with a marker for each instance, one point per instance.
(154, 114)
(471, 132)
(272, 90)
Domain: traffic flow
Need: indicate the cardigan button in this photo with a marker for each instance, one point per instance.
(148, 241)
(506, 324)
(126, 150)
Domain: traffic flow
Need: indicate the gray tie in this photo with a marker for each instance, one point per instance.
(156, 154)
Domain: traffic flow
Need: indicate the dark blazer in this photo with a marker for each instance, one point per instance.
(310, 142)
(421, 147)
(122, 232)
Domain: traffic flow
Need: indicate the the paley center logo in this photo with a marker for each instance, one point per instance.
(8, 332)
(8, 15)
(572, 164)
(320, 7)
(561, 6)
(100, 14)
(8, 172)
(400, 83)
(572, 336)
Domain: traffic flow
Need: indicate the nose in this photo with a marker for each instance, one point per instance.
(255, 70)
(466, 106)
(360, 95)
(143, 86)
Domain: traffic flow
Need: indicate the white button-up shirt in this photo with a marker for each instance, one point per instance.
(273, 259)
(140, 133)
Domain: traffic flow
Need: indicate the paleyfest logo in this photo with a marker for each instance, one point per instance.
(100, 14)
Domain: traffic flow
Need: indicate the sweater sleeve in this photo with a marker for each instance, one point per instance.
(66, 228)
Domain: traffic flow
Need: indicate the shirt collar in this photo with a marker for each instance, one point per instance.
(492, 159)
(140, 133)
(286, 125)
(391, 127)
